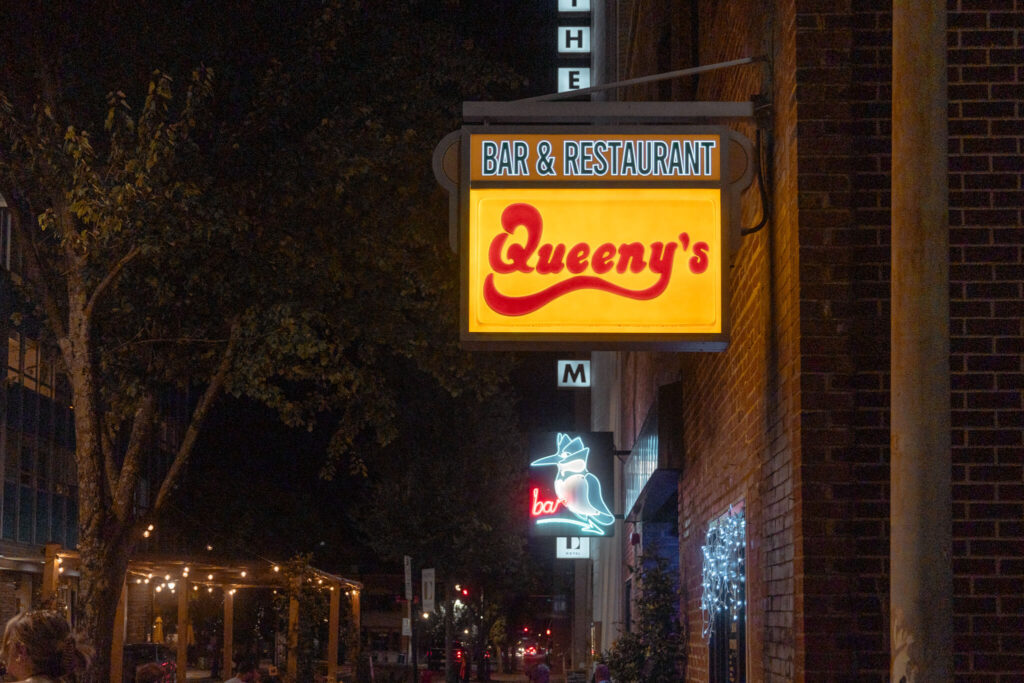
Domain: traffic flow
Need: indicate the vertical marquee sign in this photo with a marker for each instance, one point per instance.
(573, 45)
(594, 237)
(571, 485)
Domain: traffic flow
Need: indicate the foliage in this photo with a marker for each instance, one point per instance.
(265, 225)
(313, 596)
(654, 651)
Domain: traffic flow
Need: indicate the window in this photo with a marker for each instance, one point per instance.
(10, 509)
(724, 597)
(42, 517)
(36, 370)
(5, 236)
(14, 357)
(25, 520)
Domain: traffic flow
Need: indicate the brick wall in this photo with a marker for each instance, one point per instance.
(844, 95)
(986, 93)
(842, 51)
(794, 417)
(740, 405)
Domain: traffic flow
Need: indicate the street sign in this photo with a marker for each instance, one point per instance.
(572, 548)
(427, 590)
(408, 578)
(573, 373)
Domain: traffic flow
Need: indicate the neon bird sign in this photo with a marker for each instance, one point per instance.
(578, 506)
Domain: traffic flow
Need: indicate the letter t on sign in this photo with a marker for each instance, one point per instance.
(574, 373)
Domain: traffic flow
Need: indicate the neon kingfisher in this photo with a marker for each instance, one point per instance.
(576, 487)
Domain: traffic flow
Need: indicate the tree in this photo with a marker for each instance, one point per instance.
(266, 226)
(655, 650)
(449, 493)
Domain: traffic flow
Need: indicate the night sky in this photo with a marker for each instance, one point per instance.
(254, 484)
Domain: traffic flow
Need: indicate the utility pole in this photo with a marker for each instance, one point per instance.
(921, 574)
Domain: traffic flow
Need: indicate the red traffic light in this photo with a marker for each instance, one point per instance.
(547, 632)
(526, 629)
(465, 591)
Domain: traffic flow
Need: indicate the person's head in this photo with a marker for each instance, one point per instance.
(41, 642)
(247, 672)
(601, 673)
(149, 673)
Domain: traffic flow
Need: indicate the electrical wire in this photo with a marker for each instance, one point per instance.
(766, 211)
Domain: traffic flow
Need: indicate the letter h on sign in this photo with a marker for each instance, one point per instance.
(574, 373)
(574, 39)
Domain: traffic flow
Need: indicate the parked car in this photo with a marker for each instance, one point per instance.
(436, 657)
(137, 654)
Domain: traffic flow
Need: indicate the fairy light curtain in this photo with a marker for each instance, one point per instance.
(724, 574)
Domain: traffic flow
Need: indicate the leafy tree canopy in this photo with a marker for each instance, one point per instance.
(258, 217)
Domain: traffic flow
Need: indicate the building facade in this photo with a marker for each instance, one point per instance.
(39, 494)
(789, 428)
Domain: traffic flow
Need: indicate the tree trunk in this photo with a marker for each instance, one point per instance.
(104, 565)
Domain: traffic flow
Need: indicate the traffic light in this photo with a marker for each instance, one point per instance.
(465, 592)
(547, 632)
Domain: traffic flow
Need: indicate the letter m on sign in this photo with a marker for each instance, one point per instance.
(574, 373)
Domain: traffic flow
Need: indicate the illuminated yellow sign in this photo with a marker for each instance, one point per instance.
(589, 260)
(596, 238)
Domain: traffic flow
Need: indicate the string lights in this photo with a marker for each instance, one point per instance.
(724, 575)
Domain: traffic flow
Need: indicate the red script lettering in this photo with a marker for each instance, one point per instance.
(554, 258)
(543, 507)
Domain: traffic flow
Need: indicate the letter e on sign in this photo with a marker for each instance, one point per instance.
(574, 373)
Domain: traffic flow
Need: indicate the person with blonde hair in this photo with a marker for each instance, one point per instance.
(39, 647)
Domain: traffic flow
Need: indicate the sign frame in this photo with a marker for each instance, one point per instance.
(728, 183)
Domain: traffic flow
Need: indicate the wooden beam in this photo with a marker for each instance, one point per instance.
(182, 630)
(293, 635)
(120, 629)
(227, 665)
(357, 626)
(332, 634)
(51, 575)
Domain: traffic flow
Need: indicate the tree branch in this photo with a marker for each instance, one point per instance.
(142, 426)
(213, 389)
(107, 280)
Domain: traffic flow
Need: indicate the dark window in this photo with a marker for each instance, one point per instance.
(72, 507)
(25, 507)
(10, 509)
(629, 603)
(57, 520)
(42, 516)
(14, 395)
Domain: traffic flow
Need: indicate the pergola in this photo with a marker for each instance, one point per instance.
(182, 577)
